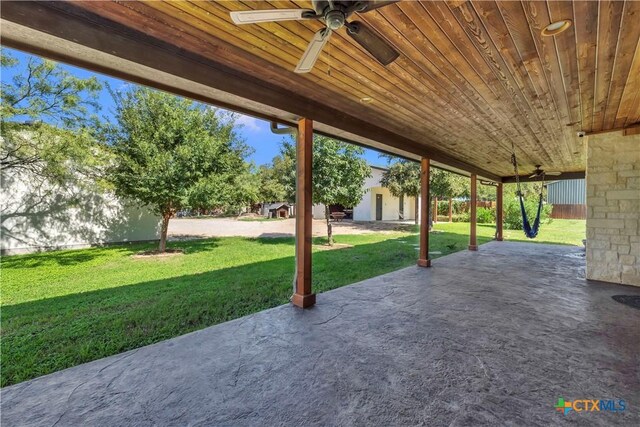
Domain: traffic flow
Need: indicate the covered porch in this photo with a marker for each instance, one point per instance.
(500, 92)
(491, 337)
(487, 337)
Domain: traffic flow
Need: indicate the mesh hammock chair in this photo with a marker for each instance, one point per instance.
(531, 231)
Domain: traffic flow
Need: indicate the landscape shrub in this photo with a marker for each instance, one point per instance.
(443, 207)
(486, 215)
(461, 217)
(513, 217)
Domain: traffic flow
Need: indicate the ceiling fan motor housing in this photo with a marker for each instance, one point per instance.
(334, 19)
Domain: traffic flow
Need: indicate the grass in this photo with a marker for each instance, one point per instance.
(60, 309)
(558, 231)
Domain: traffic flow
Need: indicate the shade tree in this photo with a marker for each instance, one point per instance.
(339, 173)
(172, 153)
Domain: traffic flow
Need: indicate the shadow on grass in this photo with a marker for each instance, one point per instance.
(79, 256)
(44, 336)
(67, 257)
(44, 258)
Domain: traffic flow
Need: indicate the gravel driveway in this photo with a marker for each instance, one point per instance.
(224, 227)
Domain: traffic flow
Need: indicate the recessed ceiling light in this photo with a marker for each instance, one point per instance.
(556, 28)
(366, 100)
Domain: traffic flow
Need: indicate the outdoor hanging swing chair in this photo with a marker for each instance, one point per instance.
(531, 231)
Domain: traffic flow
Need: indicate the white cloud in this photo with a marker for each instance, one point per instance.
(249, 123)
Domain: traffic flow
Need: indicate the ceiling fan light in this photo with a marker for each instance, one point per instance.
(372, 43)
(556, 28)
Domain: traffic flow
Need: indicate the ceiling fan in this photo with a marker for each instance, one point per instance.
(334, 14)
(541, 172)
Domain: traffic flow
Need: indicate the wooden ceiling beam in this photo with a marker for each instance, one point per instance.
(70, 23)
(527, 178)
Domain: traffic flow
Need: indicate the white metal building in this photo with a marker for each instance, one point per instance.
(38, 216)
(377, 204)
(567, 192)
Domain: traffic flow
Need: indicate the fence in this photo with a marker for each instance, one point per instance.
(444, 214)
(569, 211)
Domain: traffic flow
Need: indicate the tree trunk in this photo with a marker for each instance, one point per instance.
(163, 232)
(416, 210)
(329, 231)
(435, 210)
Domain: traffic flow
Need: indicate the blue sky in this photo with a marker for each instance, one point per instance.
(256, 132)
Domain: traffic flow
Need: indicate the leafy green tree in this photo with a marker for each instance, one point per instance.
(402, 178)
(272, 186)
(231, 193)
(531, 195)
(339, 172)
(173, 153)
(246, 188)
(484, 192)
(441, 183)
(47, 117)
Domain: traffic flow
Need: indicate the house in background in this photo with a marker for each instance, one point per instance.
(377, 204)
(568, 198)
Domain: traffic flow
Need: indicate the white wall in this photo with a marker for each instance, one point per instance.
(366, 209)
(613, 208)
(318, 211)
(38, 216)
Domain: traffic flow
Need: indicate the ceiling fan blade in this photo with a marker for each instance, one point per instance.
(553, 173)
(312, 53)
(375, 4)
(533, 176)
(373, 43)
(272, 15)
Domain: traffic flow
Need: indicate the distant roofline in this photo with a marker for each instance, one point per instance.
(378, 167)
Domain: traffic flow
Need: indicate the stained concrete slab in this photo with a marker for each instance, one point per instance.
(492, 337)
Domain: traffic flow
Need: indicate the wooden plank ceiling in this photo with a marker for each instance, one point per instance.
(472, 76)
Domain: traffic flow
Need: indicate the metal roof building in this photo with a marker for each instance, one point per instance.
(567, 192)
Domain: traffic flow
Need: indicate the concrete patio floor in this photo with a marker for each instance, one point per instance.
(487, 338)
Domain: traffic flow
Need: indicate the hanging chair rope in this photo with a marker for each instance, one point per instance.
(531, 231)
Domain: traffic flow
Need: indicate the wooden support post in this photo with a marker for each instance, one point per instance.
(450, 209)
(473, 243)
(424, 260)
(435, 210)
(302, 296)
(499, 213)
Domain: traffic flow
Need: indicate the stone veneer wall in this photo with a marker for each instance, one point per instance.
(613, 208)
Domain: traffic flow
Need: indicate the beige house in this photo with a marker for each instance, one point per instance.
(377, 204)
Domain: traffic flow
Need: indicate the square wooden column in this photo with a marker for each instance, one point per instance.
(473, 243)
(499, 213)
(424, 260)
(302, 296)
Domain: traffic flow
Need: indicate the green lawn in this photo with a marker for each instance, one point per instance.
(559, 231)
(63, 308)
